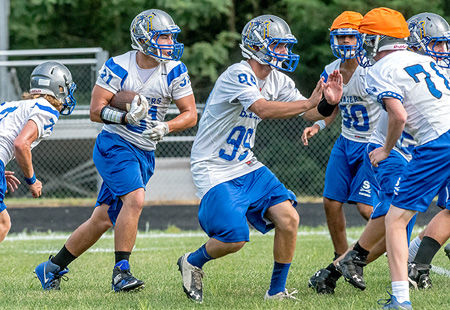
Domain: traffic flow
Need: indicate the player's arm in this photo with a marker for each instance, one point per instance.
(277, 109)
(397, 119)
(102, 112)
(22, 151)
(310, 132)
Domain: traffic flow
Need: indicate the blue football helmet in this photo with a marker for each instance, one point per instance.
(54, 79)
(147, 27)
(428, 30)
(261, 37)
(345, 52)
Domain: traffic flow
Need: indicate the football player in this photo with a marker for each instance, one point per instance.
(344, 181)
(233, 185)
(415, 92)
(124, 150)
(381, 179)
(24, 123)
(430, 35)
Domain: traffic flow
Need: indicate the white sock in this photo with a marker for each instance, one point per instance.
(400, 289)
(413, 248)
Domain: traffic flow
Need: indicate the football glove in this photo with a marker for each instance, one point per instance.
(157, 132)
(137, 111)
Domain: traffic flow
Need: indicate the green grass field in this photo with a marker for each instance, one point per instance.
(237, 281)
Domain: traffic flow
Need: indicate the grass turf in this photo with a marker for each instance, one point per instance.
(237, 281)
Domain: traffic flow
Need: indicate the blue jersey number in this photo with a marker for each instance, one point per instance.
(353, 119)
(237, 136)
(415, 70)
(243, 78)
(105, 76)
(143, 125)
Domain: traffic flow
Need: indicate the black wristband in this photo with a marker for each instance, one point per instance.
(110, 115)
(324, 108)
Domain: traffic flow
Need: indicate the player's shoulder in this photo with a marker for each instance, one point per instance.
(240, 67)
(332, 66)
(120, 62)
(42, 105)
(174, 69)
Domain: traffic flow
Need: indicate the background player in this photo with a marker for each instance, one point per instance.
(124, 150)
(344, 180)
(233, 185)
(415, 92)
(24, 123)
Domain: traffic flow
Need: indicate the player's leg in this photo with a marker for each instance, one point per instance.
(5, 222)
(365, 210)
(222, 216)
(338, 178)
(286, 221)
(435, 235)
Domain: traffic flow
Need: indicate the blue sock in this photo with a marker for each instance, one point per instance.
(199, 257)
(279, 277)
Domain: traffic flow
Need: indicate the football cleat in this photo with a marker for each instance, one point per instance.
(323, 282)
(281, 295)
(123, 280)
(192, 279)
(351, 267)
(447, 250)
(419, 276)
(50, 274)
(392, 303)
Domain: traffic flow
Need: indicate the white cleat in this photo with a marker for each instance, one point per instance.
(192, 279)
(281, 295)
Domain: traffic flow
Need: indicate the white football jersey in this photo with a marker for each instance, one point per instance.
(226, 134)
(405, 144)
(169, 81)
(13, 117)
(421, 85)
(359, 112)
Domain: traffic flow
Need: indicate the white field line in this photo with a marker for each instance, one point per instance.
(441, 271)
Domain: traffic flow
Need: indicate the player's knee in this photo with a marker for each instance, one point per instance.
(233, 247)
(289, 222)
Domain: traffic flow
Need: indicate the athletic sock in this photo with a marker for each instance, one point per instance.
(334, 273)
(122, 255)
(279, 277)
(63, 258)
(427, 249)
(199, 257)
(413, 248)
(400, 289)
(361, 251)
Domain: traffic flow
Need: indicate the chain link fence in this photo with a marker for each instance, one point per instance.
(64, 161)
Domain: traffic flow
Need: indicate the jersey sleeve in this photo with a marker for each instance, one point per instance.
(288, 91)
(381, 83)
(45, 118)
(111, 76)
(179, 82)
(241, 85)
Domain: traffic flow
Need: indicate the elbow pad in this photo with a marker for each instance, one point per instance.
(324, 108)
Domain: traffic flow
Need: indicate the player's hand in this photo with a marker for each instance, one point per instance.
(137, 111)
(157, 132)
(316, 95)
(36, 189)
(333, 88)
(11, 181)
(378, 155)
(309, 132)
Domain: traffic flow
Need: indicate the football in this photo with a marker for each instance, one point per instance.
(122, 100)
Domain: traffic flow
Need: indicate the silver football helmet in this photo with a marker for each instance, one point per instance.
(428, 30)
(372, 44)
(145, 30)
(54, 79)
(261, 37)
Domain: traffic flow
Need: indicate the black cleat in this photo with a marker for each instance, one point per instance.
(419, 276)
(351, 267)
(123, 280)
(323, 282)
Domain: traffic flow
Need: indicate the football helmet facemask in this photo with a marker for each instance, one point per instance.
(262, 37)
(147, 27)
(342, 51)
